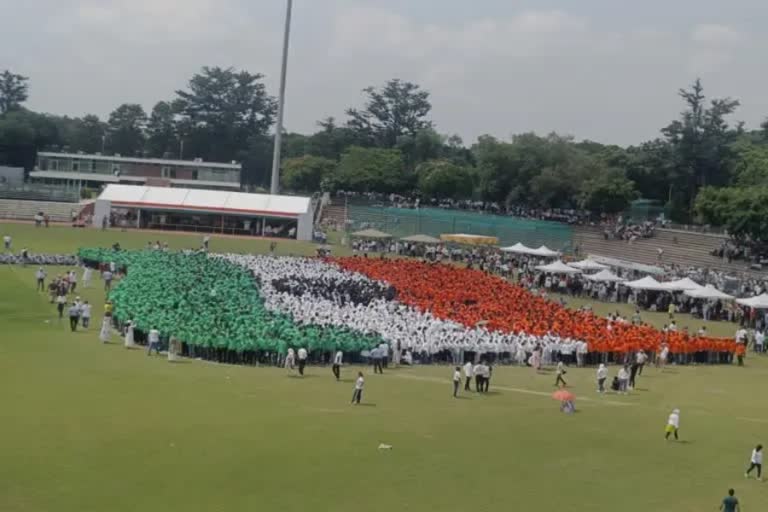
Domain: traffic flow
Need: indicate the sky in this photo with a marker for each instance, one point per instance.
(604, 70)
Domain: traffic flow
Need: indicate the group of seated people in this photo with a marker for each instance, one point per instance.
(629, 231)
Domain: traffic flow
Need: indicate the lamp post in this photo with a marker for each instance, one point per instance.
(274, 187)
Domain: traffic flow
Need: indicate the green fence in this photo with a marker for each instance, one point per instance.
(435, 222)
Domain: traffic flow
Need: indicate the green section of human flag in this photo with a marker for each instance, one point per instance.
(210, 303)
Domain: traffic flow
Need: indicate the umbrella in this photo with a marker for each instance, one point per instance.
(563, 395)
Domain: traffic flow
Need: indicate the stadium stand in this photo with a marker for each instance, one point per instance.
(26, 210)
(681, 248)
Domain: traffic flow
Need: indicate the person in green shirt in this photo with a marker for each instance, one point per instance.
(730, 503)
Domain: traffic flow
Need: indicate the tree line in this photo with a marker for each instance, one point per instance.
(703, 166)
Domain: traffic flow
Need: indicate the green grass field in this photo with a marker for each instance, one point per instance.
(92, 427)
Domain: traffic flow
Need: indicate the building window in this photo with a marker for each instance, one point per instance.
(116, 169)
(75, 166)
(168, 172)
(53, 164)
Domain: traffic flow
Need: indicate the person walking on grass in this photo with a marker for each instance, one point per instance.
(560, 371)
(105, 334)
(357, 395)
(40, 277)
(302, 353)
(477, 372)
(623, 380)
(87, 276)
(61, 300)
(756, 462)
(85, 314)
(730, 503)
(673, 424)
(456, 381)
(602, 374)
(336, 368)
(107, 276)
(74, 316)
(467, 375)
(154, 341)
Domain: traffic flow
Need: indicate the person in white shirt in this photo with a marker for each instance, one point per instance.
(602, 374)
(72, 277)
(560, 371)
(105, 334)
(129, 341)
(40, 276)
(756, 462)
(673, 424)
(357, 395)
(7, 242)
(85, 314)
(290, 359)
(206, 242)
(477, 372)
(623, 379)
(107, 276)
(302, 353)
(336, 368)
(467, 375)
(154, 341)
(456, 381)
(87, 275)
(759, 341)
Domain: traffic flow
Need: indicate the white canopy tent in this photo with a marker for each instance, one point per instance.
(545, 252)
(558, 267)
(682, 285)
(588, 264)
(708, 292)
(605, 276)
(646, 283)
(518, 248)
(758, 302)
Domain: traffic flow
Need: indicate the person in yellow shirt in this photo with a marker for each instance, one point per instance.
(671, 310)
(108, 308)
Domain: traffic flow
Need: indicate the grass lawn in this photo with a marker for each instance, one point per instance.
(92, 427)
(64, 239)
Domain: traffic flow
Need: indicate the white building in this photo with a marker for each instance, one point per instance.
(204, 211)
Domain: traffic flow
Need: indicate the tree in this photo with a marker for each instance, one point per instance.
(398, 108)
(424, 145)
(750, 163)
(14, 91)
(162, 138)
(743, 211)
(444, 179)
(371, 170)
(222, 110)
(22, 133)
(305, 174)
(87, 134)
(701, 139)
(607, 191)
(125, 129)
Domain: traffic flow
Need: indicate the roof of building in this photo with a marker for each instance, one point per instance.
(110, 178)
(135, 160)
(214, 201)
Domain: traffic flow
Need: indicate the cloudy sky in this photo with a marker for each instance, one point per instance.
(606, 70)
